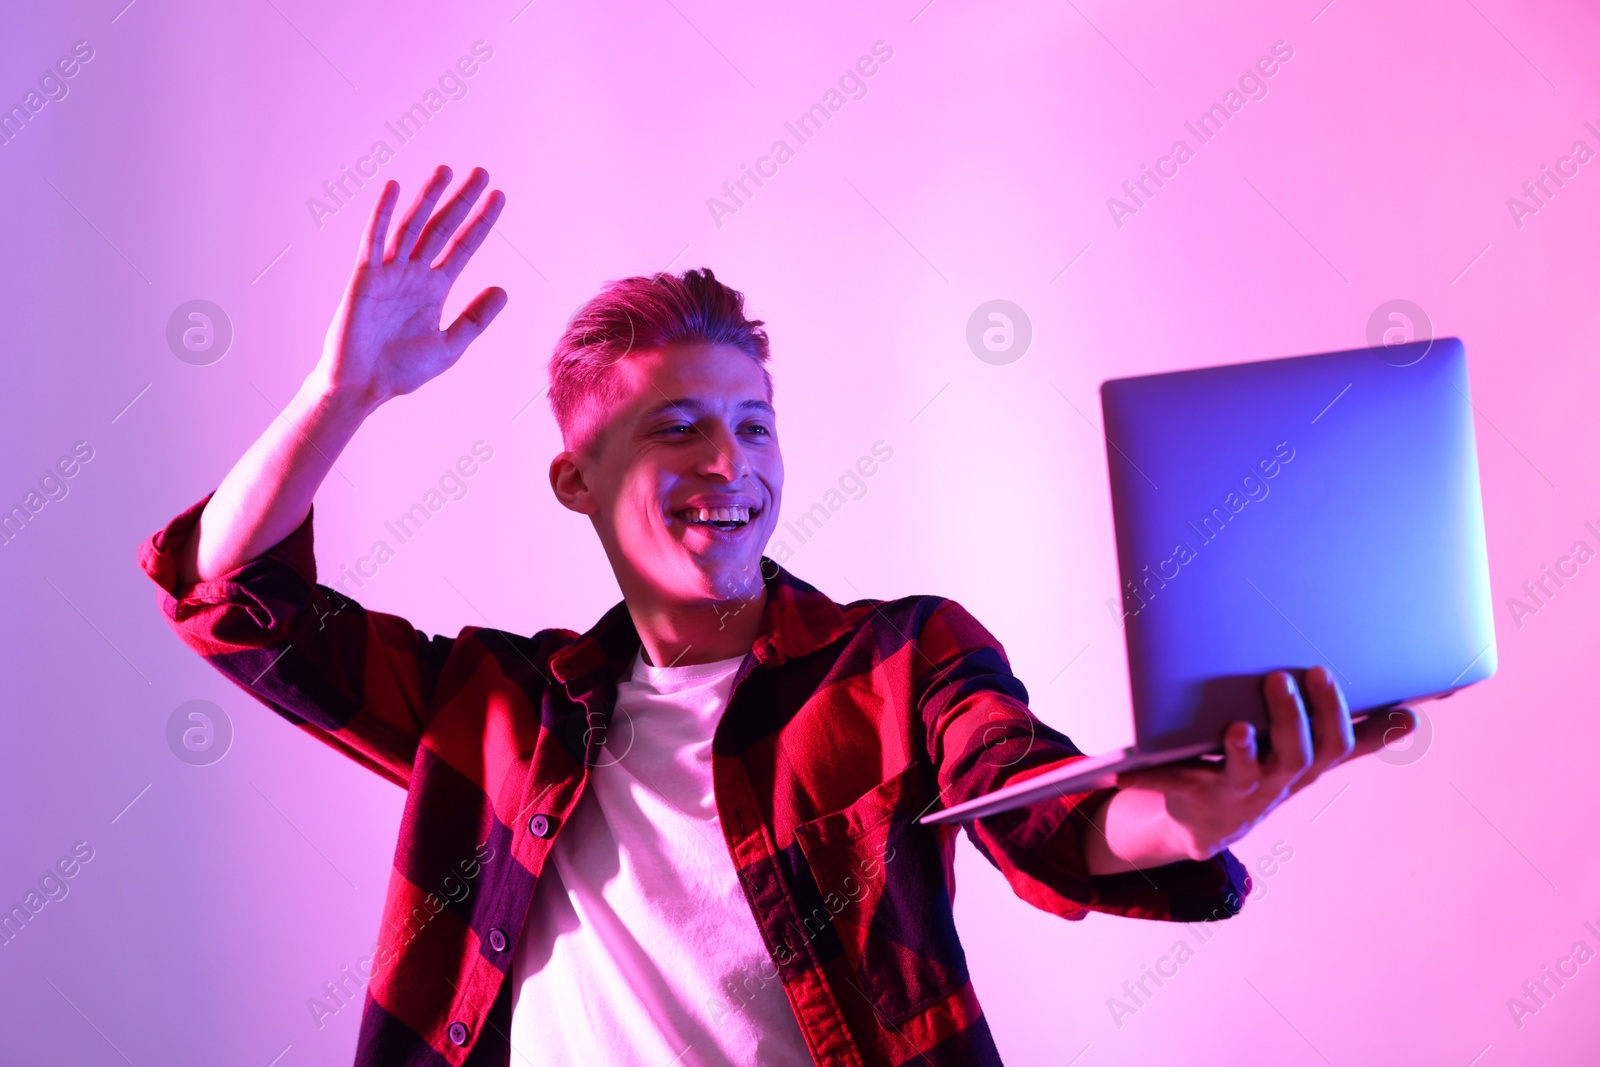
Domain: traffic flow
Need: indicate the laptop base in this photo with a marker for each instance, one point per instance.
(1079, 776)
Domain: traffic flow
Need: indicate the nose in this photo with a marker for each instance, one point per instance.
(723, 456)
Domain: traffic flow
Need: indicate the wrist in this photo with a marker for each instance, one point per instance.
(1132, 830)
(342, 402)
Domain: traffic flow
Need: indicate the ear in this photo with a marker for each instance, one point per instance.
(571, 487)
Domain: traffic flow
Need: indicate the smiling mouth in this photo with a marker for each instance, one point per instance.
(717, 518)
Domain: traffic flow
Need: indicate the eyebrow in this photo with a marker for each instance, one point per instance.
(691, 405)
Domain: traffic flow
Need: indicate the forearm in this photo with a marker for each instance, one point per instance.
(1133, 831)
(268, 493)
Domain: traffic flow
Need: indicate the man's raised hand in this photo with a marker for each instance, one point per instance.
(386, 341)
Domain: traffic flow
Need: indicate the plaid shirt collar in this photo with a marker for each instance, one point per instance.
(797, 619)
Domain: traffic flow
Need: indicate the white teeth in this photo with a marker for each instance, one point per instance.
(703, 515)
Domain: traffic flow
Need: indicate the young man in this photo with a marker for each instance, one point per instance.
(688, 835)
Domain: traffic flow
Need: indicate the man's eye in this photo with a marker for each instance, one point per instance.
(758, 428)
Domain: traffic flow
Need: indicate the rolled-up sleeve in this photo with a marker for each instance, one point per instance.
(360, 681)
(981, 737)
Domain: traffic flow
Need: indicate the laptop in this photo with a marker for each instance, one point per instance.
(1321, 509)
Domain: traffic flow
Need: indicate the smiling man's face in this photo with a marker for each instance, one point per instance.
(684, 481)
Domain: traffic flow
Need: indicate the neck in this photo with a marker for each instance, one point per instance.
(680, 635)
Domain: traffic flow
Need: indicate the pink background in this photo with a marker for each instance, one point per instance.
(1420, 895)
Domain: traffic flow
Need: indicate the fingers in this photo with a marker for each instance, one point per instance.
(1331, 732)
(1289, 730)
(476, 232)
(443, 224)
(405, 237)
(378, 225)
(1241, 767)
(474, 319)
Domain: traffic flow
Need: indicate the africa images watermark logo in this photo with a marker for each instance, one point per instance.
(851, 85)
(1139, 589)
(51, 887)
(1399, 322)
(52, 486)
(1537, 192)
(1137, 993)
(339, 192)
(52, 87)
(199, 332)
(199, 732)
(999, 332)
(1537, 592)
(1539, 991)
(452, 484)
(1252, 85)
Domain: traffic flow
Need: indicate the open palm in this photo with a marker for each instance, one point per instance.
(386, 339)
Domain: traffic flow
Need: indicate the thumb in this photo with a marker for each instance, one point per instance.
(1381, 728)
(474, 319)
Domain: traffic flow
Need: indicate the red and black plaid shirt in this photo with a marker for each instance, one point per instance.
(846, 723)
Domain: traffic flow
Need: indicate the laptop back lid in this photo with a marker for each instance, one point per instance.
(1320, 509)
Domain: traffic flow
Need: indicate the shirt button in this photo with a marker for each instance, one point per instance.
(497, 940)
(539, 826)
(457, 1033)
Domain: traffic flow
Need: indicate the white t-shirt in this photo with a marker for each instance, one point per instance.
(640, 947)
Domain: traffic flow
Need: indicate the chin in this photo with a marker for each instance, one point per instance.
(732, 580)
(701, 571)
